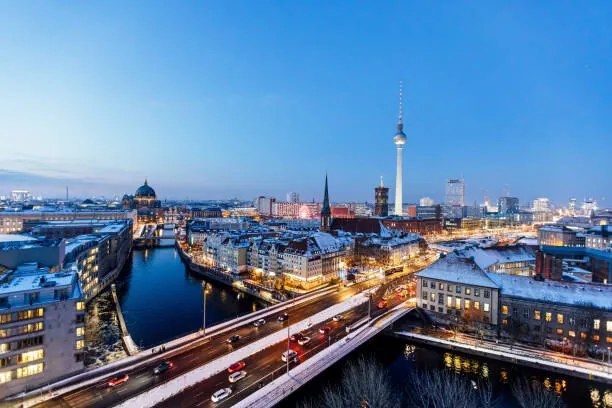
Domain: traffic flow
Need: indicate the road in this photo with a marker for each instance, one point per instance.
(203, 351)
(266, 365)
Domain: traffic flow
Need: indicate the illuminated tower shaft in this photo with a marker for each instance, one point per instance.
(398, 182)
(399, 140)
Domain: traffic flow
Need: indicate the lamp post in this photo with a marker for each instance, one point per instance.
(369, 306)
(288, 325)
(204, 283)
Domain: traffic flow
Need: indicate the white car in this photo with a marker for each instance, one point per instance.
(259, 322)
(337, 318)
(222, 394)
(238, 375)
(304, 340)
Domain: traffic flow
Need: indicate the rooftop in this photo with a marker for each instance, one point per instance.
(28, 277)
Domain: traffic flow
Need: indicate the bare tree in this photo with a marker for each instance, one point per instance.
(365, 383)
(531, 393)
(441, 389)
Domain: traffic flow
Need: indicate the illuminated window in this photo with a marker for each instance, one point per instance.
(583, 335)
(571, 333)
(4, 347)
(449, 301)
(609, 325)
(30, 356)
(467, 304)
(559, 331)
(468, 291)
(5, 318)
(609, 339)
(477, 305)
(80, 305)
(596, 324)
(548, 316)
(80, 344)
(504, 309)
(32, 369)
(559, 318)
(486, 307)
(80, 331)
(596, 337)
(5, 376)
(536, 314)
(458, 303)
(432, 297)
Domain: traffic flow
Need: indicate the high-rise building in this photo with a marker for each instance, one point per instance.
(508, 205)
(541, 204)
(325, 211)
(455, 192)
(293, 197)
(572, 206)
(381, 200)
(21, 196)
(426, 202)
(264, 205)
(42, 320)
(399, 140)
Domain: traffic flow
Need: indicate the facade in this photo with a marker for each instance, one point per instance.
(574, 318)
(381, 200)
(12, 222)
(226, 251)
(16, 250)
(508, 205)
(373, 225)
(456, 290)
(560, 235)
(431, 212)
(455, 192)
(599, 237)
(206, 212)
(98, 258)
(388, 249)
(426, 202)
(293, 197)
(42, 328)
(264, 205)
(541, 204)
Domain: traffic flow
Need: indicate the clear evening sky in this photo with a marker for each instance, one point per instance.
(239, 99)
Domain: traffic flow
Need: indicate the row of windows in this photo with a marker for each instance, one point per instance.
(457, 302)
(23, 315)
(457, 288)
(486, 306)
(21, 372)
(19, 330)
(560, 318)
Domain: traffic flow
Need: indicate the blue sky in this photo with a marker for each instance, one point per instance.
(237, 99)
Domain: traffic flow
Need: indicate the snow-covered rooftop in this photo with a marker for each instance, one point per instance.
(454, 269)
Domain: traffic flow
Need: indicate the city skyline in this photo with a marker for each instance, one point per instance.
(96, 100)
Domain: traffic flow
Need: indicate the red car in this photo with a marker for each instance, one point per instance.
(296, 337)
(236, 367)
(324, 330)
(119, 379)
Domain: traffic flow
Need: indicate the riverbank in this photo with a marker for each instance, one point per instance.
(227, 279)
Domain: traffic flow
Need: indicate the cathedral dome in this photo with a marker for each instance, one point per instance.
(145, 191)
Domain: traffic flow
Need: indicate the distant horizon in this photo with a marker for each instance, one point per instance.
(209, 101)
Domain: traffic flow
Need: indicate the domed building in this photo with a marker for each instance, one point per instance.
(145, 202)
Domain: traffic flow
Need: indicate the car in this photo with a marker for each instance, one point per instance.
(237, 366)
(259, 322)
(222, 394)
(238, 375)
(304, 340)
(118, 379)
(324, 330)
(292, 354)
(233, 339)
(296, 337)
(164, 366)
(283, 317)
(337, 318)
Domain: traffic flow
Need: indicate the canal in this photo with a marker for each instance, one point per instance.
(161, 300)
(400, 358)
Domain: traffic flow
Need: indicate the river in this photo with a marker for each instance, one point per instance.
(161, 300)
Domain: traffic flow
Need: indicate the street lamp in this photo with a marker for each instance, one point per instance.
(288, 325)
(204, 290)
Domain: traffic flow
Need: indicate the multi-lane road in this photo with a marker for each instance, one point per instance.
(189, 358)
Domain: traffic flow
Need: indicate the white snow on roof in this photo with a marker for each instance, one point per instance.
(599, 296)
(454, 269)
(15, 238)
(486, 258)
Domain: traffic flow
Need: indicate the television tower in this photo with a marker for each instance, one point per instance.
(399, 140)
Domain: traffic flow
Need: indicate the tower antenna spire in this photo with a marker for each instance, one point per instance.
(381, 181)
(400, 120)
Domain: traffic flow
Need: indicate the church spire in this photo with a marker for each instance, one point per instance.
(325, 210)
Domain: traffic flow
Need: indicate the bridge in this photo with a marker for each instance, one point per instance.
(201, 359)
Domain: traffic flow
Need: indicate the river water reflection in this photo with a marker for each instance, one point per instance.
(161, 300)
